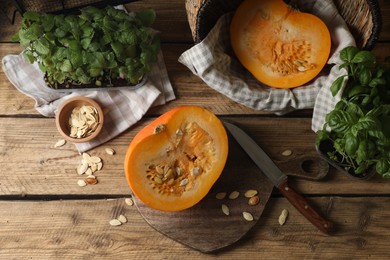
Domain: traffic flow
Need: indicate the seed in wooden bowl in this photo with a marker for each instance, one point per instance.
(247, 216)
(225, 209)
(254, 200)
(220, 195)
(283, 217)
(60, 143)
(115, 222)
(250, 193)
(129, 201)
(234, 195)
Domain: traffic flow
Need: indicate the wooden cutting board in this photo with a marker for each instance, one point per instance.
(205, 227)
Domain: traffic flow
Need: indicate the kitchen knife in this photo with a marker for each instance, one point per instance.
(278, 178)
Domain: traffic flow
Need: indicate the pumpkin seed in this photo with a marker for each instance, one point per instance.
(250, 193)
(247, 216)
(83, 121)
(195, 171)
(82, 168)
(234, 195)
(159, 169)
(225, 209)
(287, 152)
(122, 219)
(254, 200)
(109, 151)
(81, 183)
(283, 217)
(302, 68)
(129, 201)
(157, 180)
(220, 195)
(184, 182)
(91, 181)
(115, 222)
(60, 143)
(95, 159)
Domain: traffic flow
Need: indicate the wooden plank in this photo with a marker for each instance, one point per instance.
(168, 15)
(189, 89)
(30, 165)
(79, 229)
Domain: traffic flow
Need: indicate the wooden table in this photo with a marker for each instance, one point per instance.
(44, 214)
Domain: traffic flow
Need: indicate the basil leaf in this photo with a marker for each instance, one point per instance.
(336, 85)
(363, 56)
(365, 76)
(348, 53)
(382, 166)
(351, 144)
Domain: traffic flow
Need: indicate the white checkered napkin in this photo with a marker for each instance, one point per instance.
(122, 107)
(212, 61)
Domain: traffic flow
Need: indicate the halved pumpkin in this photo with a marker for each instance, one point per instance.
(280, 46)
(172, 163)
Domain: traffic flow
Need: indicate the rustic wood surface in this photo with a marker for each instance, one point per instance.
(44, 214)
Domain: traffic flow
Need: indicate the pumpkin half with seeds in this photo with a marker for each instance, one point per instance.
(280, 46)
(172, 163)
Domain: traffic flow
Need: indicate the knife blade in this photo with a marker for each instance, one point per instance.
(278, 178)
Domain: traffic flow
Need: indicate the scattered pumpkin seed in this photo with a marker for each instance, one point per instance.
(122, 219)
(82, 168)
(115, 222)
(95, 159)
(250, 193)
(287, 152)
(81, 183)
(129, 201)
(283, 217)
(254, 200)
(220, 195)
(109, 151)
(91, 180)
(247, 216)
(225, 209)
(60, 143)
(234, 195)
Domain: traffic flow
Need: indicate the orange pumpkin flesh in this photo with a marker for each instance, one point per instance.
(280, 46)
(172, 163)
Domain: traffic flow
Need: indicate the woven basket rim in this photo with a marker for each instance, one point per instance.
(201, 29)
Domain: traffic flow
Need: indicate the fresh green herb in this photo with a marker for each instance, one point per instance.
(98, 45)
(359, 125)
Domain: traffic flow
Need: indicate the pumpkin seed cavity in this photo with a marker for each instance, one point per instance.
(189, 155)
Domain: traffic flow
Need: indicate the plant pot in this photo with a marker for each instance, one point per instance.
(327, 146)
(115, 85)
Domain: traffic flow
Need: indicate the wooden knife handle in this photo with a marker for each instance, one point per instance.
(301, 204)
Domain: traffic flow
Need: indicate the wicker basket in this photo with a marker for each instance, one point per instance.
(363, 18)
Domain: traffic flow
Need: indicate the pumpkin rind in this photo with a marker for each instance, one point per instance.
(280, 46)
(188, 138)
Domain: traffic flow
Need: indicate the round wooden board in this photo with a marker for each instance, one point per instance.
(205, 227)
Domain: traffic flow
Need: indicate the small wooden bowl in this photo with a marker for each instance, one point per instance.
(64, 112)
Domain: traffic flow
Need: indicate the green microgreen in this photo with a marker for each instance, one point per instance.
(96, 45)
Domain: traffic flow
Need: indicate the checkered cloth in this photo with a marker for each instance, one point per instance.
(212, 61)
(122, 107)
